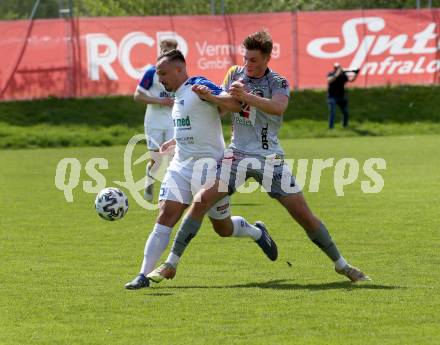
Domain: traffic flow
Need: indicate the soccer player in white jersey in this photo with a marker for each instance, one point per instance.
(200, 146)
(264, 96)
(157, 122)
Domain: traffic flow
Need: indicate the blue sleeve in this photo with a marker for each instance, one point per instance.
(147, 79)
(215, 90)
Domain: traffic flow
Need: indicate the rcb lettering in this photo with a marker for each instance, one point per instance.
(103, 52)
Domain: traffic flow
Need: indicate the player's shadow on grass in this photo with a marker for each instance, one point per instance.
(159, 294)
(282, 284)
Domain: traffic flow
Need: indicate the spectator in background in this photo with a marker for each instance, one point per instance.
(336, 95)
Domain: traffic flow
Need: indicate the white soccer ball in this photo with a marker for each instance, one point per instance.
(111, 204)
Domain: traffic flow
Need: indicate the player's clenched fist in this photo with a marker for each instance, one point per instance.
(168, 147)
(202, 91)
(237, 90)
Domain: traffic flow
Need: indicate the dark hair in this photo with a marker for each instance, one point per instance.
(172, 55)
(260, 40)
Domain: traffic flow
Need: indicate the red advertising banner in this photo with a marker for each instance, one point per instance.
(107, 56)
(389, 47)
(33, 59)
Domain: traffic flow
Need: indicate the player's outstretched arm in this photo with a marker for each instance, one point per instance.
(143, 98)
(277, 105)
(224, 101)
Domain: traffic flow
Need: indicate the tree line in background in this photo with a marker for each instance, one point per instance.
(21, 9)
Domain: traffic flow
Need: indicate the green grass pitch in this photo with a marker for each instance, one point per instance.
(62, 268)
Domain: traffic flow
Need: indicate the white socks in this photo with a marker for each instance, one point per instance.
(156, 244)
(340, 263)
(173, 259)
(243, 229)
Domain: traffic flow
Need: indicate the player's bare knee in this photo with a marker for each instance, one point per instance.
(202, 202)
(168, 216)
(163, 218)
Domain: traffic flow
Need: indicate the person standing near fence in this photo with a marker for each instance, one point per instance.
(336, 94)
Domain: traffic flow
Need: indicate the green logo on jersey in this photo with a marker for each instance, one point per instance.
(182, 122)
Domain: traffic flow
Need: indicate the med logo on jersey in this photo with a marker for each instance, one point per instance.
(183, 123)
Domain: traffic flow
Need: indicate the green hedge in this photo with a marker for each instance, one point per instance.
(113, 120)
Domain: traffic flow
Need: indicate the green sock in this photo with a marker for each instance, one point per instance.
(187, 231)
(323, 240)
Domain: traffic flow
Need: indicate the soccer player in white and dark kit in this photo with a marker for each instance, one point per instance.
(198, 138)
(157, 122)
(264, 96)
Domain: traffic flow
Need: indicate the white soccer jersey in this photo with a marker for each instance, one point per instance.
(156, 116)
(197, 126)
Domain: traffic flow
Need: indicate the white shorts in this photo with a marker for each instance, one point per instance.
(156, 137)
(180, 184)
